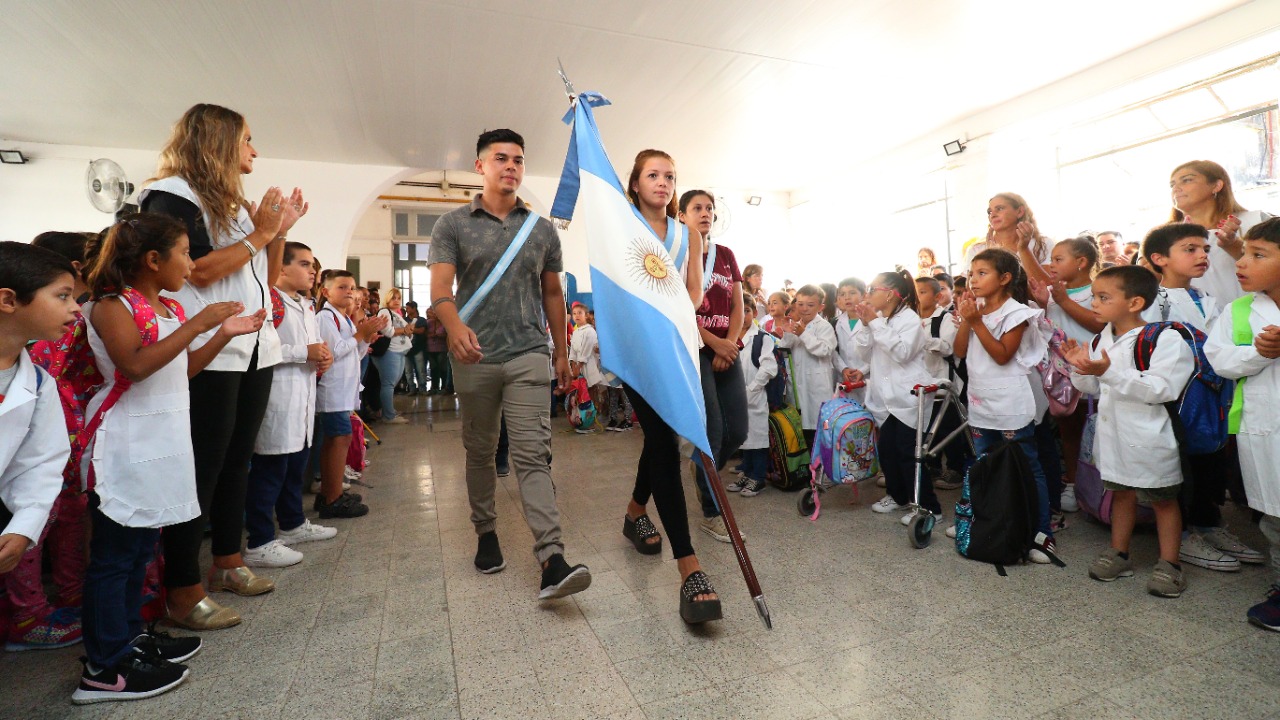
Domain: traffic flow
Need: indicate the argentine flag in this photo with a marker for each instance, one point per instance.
(644, 319)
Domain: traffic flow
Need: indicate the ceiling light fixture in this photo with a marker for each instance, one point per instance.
(753, 200)
(12, 157)
(955, 147)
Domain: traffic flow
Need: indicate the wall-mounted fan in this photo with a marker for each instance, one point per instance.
(723, 218)
(106, 185)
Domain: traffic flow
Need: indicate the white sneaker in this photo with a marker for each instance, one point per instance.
(1223, 540)
(397, 420)
(906, 519)
(886, 505)
(351, 473)
(951, 532)
(306, 532)
(274, 554)
(1068, 499)
(716, 528)
(1197, 551)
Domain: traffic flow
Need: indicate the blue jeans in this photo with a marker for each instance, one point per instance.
(724, 393)
(984, 440)
(390, 368)
(755, 464)
(1051, 460)
(275, 493)
(118, 558)
(415, 370)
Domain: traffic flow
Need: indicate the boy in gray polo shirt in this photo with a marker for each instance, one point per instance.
(501, 364)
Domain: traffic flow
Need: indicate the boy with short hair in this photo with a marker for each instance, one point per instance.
(1179, 253)
(283, 445)
(37, 302)
(1131, 414)
(812, 342)
(1249, 356)
(757, 371)
(337, 391)
(942, 327)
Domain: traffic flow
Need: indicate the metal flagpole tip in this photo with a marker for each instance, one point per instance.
(762, 607)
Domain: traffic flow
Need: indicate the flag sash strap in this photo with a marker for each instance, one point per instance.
(473, 303)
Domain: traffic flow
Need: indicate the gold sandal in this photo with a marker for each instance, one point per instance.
(240, 581)
(207, 615)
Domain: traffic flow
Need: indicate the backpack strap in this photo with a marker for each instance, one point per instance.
(1241, 335)
(473, 303)
(935, 324)
(277, 308)
(757, 346)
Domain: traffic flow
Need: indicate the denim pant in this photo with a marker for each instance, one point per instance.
(984, 440)
(390, 367)
(1050, 457)
(724, 393)
(415, 370)
(118, 558)
(274, 493)
(755, 464)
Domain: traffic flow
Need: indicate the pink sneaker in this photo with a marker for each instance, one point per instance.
(59, 629)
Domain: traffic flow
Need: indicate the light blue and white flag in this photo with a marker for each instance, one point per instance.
(645, 321)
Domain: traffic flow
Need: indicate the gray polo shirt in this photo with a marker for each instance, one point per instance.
(509, 323)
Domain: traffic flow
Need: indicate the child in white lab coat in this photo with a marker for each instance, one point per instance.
(812, 341)
(758, 368)
(284, 441)
(1249, 356)
(1135, 448)
(890, 340)
(940, 328)
(848, 367)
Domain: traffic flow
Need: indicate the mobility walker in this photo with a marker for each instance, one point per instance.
(920, 529)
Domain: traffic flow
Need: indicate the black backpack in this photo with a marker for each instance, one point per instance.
(775, 391)
(997, 515)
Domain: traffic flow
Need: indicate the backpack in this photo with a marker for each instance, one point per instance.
(1241, 335)
(788, 452)
(1094, 498)
(775, 391)
(1055, 372)
(997, 515)
(844, 446)
(1199, 414)
(578, 405)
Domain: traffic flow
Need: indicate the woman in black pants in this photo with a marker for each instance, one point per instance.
(651, 188)
(238, 251)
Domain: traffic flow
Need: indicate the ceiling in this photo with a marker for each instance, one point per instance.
(743, 93)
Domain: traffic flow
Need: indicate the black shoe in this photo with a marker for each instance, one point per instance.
(355, 497)
(489, 554)
(559, 580)
(504, 469)
(346, 506)
(133, 678)
(696, 612)
(159, 644)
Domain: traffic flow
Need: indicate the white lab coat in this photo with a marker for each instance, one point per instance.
(583, 349)
(1000, 396)
(811, 360)
(338, 390)
(894, 348)
(33, 450)
(845, 356)
(285, 428)
(756, 379)
(1134, 444)
(938, 349)
(1175, 304)
(1259, 437)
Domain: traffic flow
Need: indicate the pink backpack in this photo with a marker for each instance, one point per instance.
(1055, 373)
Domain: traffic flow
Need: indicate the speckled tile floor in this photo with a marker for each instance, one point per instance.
(390, 620)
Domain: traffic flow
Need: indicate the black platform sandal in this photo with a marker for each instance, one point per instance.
(639, 531)
(693, 611)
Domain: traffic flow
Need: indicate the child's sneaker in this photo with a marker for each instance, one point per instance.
(274, 554)
(1221, 539)
(306, 532)
(1044, 551)
(752, 488)
(1266, 614)
(346, 506)
(1111, 565)
(951, 532)
(948, 480)
(1197, 551)
(159, 644)
(133, 678)
(1068, 499)
(737, 485)
(885, 505)
(59, 629)
(1057, 522)
(1166, 580)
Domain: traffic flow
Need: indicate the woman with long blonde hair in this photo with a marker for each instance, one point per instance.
(238, 250)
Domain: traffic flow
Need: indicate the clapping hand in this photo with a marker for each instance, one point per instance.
(1267, 343)
(1039, 291)
(865, 312)
(269, 214)
(243, 324)
(1228, 236)
(292, 209)
(967, 307)
(213, 314)
(1078, 356)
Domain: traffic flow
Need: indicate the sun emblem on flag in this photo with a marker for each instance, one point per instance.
(651, 267)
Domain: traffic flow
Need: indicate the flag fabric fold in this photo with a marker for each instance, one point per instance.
(645, 321)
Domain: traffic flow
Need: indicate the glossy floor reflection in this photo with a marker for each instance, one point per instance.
(390, 620)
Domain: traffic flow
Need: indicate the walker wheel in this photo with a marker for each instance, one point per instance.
(805, 503)
(920, 531)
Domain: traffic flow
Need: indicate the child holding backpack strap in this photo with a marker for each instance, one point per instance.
(1179, 253)
(891, 341)
(1002, 350)
(1135, 446)
(760, 367)
(141, 470)
(848, 367)
(1245, 344)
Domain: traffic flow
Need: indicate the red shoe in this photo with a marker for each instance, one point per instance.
(59, 629)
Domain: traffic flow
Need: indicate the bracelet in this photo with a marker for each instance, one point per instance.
(442, 300)
(253, 251)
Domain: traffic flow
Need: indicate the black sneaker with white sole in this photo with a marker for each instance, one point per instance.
(559, 580)
(346, 506)
(489, 554)
(135, 677)
(159, 644)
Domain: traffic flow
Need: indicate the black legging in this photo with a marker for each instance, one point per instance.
(896, 447)
(724, 392)
(226, 412)
(658, 476)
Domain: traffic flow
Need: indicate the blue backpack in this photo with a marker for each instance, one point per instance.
(775, 391)
(1199, 415)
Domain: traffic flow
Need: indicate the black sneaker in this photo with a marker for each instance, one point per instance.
(504, 469)
(346, 506)
(159, 644)
(752, 488)
(319, 502)
(489, 554)
(136, 677)
(559, 580)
